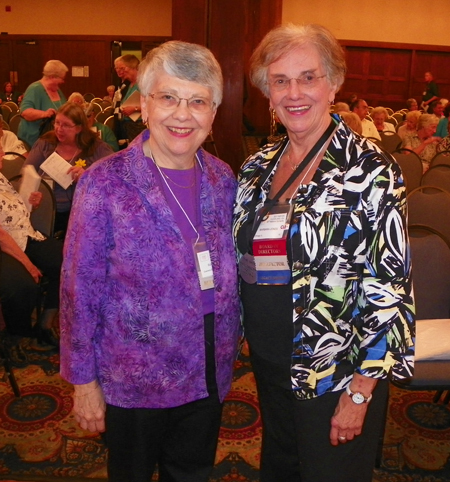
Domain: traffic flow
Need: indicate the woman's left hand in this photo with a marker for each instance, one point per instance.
(347, 421)
(35, 199)
(76, 172)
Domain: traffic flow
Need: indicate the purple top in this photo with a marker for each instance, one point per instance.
(189, 198)
(131, 307)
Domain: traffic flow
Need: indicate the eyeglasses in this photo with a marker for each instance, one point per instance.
(197, 105)
(309, 78)
(64, 126)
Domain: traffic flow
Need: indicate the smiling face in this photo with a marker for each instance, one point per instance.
(175, 135)
(302, 109)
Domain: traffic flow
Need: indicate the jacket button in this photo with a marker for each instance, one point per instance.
(298, 266)
(299, 309)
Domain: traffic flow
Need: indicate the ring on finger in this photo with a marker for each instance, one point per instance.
(342, 438)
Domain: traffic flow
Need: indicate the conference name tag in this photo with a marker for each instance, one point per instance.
(203, 264)
(270, 246)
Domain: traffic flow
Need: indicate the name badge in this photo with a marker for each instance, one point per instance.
(203, 264)
(269, 246)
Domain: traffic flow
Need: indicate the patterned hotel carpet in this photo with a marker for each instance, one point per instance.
(41, 441)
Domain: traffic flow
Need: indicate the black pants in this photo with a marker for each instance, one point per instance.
(296, 445)
(18, 290)
(181, 440)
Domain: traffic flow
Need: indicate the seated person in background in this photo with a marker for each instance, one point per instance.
(25, 256)
(380, 116)
(8, 94)
(443, 101)
(436, 108)
(411, 104)
(444, 145)
(103, 131)
(441, 130)
(361, 109)
(76, 98)
(341, 107)
(9, 142)
(424, 142)
(78, 145)
(110, 97)
(353, 121)
(409, 128)
(41, 101)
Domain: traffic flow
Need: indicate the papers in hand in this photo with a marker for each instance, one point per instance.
(29, 183)
(135, 101)
(56, 167)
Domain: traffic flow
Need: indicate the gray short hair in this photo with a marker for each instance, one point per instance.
(427, 120)
(55, 68)
(379, 110)
(281, 40)
(185, 61)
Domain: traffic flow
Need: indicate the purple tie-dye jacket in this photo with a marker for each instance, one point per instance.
(131, 310)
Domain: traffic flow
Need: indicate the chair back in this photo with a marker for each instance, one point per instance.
(430, 255)
(389, 111)
(97, 100)
(390, 141)
(14, 122)
(88, 96)
(440, 159)
(96, 108)
(6, 112)
(437, 176)
(42, 219)
(13, 106)
(110, 122)
(431, 208)
(5, 125)
(105, 103)
(398, 116)
(102, 116)
(12, 164)
(411, 167)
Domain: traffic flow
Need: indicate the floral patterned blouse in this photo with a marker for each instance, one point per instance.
(14, 216)
(352, 304)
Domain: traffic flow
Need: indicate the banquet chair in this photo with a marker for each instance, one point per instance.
(97, 108)
(398, 116)
(5, 125)
(102, 116)
(6, 112)
(411, 167)
(110, 122)
(392, 120)
(12, 105)
(88, 96)
(104, 104)
(430, 255)
(14, 122)
(430, 206)
(43, 218)
(438, 175)
(12, 164)
(390, 141)
(389, 111)
(440, 158)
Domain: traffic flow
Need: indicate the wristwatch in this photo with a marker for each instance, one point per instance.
(358, 397)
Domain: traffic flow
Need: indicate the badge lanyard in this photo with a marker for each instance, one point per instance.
(273, 269)
(202, 256)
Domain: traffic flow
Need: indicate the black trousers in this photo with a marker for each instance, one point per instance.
(181, 440)
(296, 445)
(18, 290)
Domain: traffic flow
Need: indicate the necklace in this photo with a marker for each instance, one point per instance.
(176, 184)
(311, 164)
(73, 157)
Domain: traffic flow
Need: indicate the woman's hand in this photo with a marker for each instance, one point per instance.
(33, 270)
(348, 419)
(76, 172)
(432, 140)
(48, 113)
(35, 199)
(89, 407)
(128, 110)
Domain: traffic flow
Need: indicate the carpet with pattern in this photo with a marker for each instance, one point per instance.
(41, 441)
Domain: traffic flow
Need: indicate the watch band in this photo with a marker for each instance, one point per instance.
(358, 397)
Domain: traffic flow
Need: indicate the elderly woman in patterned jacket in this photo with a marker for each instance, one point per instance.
(320, 232)
(150, 312)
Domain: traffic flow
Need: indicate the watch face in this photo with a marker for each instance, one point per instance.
(358, 398)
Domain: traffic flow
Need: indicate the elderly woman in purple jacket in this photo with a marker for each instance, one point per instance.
(149, 307)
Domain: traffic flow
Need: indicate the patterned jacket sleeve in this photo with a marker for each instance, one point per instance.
(386, 328)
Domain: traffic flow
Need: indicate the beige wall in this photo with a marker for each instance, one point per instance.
(87, 17)
(412, 22)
